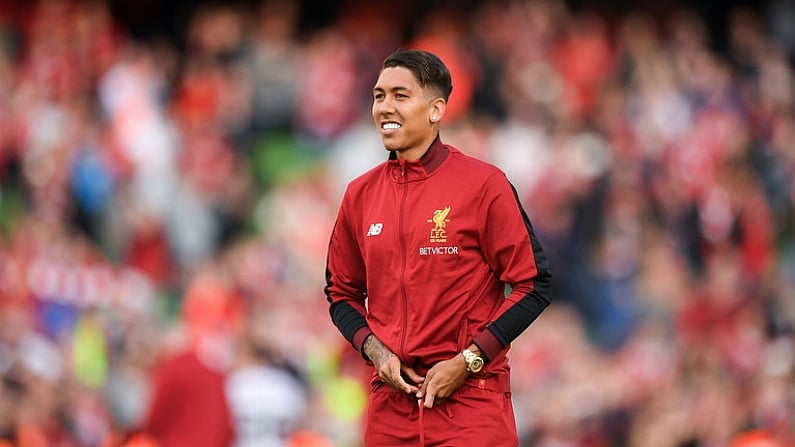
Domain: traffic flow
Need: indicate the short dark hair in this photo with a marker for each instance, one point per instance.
(429, 70)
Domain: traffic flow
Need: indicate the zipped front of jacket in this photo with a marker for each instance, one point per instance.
(404, 185)
(412, 183)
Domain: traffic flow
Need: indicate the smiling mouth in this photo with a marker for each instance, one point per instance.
(390, 126)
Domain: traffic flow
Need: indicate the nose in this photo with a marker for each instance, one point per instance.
(383, 106)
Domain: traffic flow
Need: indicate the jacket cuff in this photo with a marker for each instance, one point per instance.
(358, 339)
(489, 345)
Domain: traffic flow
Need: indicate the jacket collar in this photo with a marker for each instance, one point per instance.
(431, 159)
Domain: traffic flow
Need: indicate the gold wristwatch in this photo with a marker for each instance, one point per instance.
(474, 361)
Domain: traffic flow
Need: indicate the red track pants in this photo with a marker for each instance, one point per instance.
(474, 416)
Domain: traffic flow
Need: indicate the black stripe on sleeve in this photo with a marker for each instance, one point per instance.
(519, 316)
(347, 319)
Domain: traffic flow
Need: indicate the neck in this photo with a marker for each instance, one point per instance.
(415, 153)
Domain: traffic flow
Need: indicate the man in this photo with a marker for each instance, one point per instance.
(189, 405)
(419, 257)
(267, 400)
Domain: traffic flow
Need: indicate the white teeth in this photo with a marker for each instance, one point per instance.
(389, 126)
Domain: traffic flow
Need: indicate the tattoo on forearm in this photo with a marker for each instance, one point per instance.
(376, 351)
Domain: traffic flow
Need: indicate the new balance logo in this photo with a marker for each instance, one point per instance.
(375, 229)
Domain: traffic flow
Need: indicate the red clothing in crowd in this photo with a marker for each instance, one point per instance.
(189, 407)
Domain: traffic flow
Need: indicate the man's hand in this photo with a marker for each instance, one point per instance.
(389, 367)
(444, 378)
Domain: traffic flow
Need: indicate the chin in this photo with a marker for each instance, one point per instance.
(391, 147)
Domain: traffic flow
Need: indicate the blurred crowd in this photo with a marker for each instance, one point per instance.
(165, 207)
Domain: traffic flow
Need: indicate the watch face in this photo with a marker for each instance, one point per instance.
(476, 364)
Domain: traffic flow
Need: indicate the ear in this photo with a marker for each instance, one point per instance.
(437, 108)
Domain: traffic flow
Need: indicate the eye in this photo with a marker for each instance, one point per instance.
(401, 96)
(378, 96)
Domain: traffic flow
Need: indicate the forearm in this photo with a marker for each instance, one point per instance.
(376, 351)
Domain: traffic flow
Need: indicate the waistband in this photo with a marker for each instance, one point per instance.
(499, 383)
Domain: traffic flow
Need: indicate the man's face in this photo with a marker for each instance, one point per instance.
(403, 114)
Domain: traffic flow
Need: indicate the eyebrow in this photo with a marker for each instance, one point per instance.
(393, 89)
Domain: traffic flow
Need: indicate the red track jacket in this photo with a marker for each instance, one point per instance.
(420, 255)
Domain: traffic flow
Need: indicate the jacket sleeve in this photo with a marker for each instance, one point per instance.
(346, 286)
(513, 251)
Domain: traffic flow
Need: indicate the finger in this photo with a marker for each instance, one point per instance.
(429, 397)
(412, 375)
(423, 388)
(392, 378)
(405, 386)
(429, 394)
(396, 380)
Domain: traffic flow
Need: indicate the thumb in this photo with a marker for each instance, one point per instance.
(412, 375)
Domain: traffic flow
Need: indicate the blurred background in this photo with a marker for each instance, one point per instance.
(170, 172)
